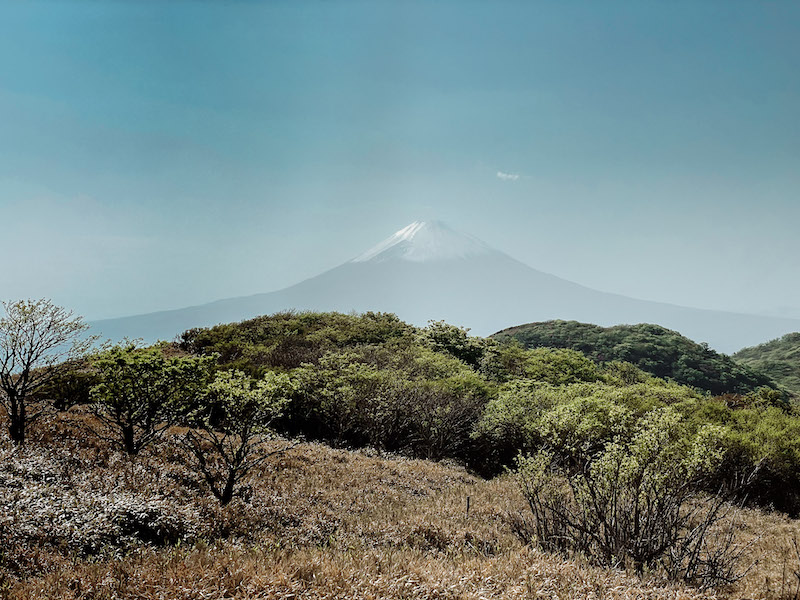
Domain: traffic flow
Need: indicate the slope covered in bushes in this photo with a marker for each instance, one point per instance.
(654, 349)
(436, 392)
(569, 428)
(780, 359)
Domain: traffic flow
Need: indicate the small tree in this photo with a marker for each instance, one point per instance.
(37, 340)
(143, 392)
(232, 425)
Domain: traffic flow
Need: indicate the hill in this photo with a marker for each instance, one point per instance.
(654, 349)
(780, 359)
(429, 271)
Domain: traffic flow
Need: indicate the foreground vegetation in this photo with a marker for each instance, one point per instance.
(81, 520)
(187, 454)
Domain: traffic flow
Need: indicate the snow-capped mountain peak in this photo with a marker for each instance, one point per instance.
(425, 241)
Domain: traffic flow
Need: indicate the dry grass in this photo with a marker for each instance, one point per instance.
(81, 522)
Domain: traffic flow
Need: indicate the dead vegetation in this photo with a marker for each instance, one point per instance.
(80, 521)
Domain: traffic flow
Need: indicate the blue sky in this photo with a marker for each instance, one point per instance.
(157, 155)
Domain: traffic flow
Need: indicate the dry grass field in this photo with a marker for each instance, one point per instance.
(80, 521)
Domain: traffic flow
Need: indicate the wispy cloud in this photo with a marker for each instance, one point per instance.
(507, 176)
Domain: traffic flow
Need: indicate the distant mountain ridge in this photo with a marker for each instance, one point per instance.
(428, 271)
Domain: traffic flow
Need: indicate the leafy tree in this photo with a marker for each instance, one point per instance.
(37, 339)
(509, 360)
(441, 414)
(143, 392)
(410, 399)
(288, 339)
(232, 425)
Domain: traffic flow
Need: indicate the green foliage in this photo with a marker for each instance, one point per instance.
(455, 341)
(654, 349)
(232, 425)
(415, 400)
(780, 359)
(243, 407)
(71, 386)
(556, 366)
(528, 414)
(437, 392)
(770, 438)
(626, 501)
(287, 340)
(142, 392)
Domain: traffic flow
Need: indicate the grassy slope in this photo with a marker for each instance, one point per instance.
(316, 523)
(780, 359)
(654, 349)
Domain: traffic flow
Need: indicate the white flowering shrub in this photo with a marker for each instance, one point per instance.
(40, 504)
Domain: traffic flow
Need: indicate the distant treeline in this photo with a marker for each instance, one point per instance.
(654, 349)
(780, 359)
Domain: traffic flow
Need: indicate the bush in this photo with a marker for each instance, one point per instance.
(634, 502)
(288, 339)
(527, 414)
(654, 349)
(413, 400)
(504, 362)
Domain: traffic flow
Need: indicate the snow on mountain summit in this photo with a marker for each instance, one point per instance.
(425, 241)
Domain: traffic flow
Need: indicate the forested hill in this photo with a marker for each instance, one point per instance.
(780, 359)
(654, 349)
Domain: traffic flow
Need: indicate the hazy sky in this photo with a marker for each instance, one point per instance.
(162, 154)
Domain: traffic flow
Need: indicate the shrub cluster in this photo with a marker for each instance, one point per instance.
(437, 392)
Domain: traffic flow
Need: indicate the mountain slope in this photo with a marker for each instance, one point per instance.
(780, 359)
(656, 350)
(428, 271)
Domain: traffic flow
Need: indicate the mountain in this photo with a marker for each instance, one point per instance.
(429, 271)
(780, 359)
(654, 349)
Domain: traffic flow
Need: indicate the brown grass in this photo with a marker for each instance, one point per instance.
(79, 521)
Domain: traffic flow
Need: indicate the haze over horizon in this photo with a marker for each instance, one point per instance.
(427, 272)
(162, 155)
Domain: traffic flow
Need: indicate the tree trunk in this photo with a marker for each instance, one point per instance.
(227, 493)
(16, 417)
(128, 440)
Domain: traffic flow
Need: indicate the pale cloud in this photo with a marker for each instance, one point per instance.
(507, 176)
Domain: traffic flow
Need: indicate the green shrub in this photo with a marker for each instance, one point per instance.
(415, 400)
(556, 366)
(629, 502)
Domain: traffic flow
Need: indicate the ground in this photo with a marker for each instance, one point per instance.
(79, 520)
